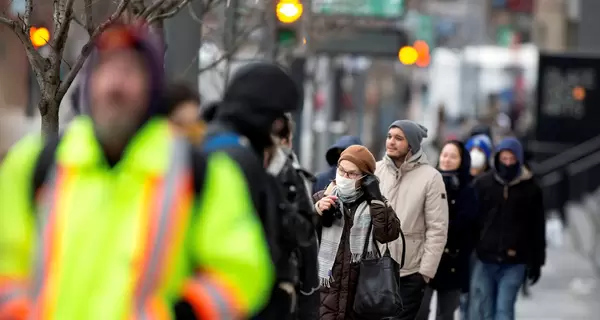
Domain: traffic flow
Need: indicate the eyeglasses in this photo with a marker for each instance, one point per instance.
(351, 175)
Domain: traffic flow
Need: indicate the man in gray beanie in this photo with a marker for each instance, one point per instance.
(417, 193)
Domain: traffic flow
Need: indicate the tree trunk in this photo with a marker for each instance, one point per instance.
(50, 117)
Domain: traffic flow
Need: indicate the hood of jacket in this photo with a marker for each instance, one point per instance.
(513, 145)
(411, 162)
(258, 94)
(333, 153)
(146, 42)
(463, 171)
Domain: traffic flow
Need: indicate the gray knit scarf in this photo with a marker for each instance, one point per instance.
(330, 238)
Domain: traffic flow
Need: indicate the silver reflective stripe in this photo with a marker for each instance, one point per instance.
(5, 298)
(223, 307)
(44, 214)
(178, 164)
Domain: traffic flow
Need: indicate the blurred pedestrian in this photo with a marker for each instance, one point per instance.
(416, 191)
(102, 222)
(296, 183)
(512, 237)
(348, 206)
(332, 156)
(452, 277)
(257, 97)
(480, 151)
(183, 105)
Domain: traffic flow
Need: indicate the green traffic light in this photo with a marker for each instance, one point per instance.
(286, 37)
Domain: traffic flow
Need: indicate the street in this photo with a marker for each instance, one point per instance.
(568, 289)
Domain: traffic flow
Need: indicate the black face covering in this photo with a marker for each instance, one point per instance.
(508, 173)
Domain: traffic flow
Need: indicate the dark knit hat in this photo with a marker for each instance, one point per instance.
(361, 157)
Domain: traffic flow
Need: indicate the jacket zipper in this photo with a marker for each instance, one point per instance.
(505, 196)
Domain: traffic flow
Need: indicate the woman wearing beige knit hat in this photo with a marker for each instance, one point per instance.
(348, 207)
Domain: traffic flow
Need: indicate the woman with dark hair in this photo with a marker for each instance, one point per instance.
(452, 277)
(183, 105)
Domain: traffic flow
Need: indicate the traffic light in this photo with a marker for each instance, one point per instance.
(418, 54)
(288, 14)
(39, 36)
(289, 11)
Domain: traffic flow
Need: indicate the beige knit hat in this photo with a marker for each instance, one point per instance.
(361, 157)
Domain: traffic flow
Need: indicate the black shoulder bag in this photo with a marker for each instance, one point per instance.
(378, 289)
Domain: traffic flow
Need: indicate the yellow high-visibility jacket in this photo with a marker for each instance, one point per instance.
(128, 241)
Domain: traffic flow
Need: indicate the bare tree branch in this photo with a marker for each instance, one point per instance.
(137, 6)
(27, 15)
(22, 32)
(87, 11)
(6, 21)
(63, 10)
(171, 12)
(87, 49)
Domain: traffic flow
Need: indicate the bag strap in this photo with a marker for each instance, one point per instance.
(366, 245)
(387, 248)
(222, 141)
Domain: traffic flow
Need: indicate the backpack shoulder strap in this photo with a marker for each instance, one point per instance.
(43, 163)
(198, 162)
(223, 140)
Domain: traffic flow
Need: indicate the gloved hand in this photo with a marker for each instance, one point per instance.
(370, 186)
(533, 274)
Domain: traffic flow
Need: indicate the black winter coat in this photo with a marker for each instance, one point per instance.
(512, 220)
(453, 270)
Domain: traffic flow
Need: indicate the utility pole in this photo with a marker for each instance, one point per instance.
(183, 38)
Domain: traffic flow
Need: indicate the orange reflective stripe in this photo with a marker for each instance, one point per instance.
(14, 302)
(15, 309)
(211, 299)
(180, 213)
(167, 213)
(51, 221)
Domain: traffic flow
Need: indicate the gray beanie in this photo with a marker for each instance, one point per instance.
(413, 132)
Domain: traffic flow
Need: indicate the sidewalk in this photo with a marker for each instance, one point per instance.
(568, 290)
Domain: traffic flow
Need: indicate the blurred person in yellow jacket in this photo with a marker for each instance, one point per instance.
(120, 217)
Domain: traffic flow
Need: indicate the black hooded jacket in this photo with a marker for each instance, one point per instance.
(453, 270)
(257, 95)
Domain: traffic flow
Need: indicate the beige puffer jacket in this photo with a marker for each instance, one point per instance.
(417, 193)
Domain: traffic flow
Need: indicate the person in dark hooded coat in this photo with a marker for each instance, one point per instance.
(258, 95)
(511, 247)
(452, 275)
(333, 155)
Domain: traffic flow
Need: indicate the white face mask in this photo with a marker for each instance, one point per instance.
(346, 186)
(477, 159)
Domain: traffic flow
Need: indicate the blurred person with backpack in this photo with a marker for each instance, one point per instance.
(121, 206)
(241, 125)
(297, 183)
